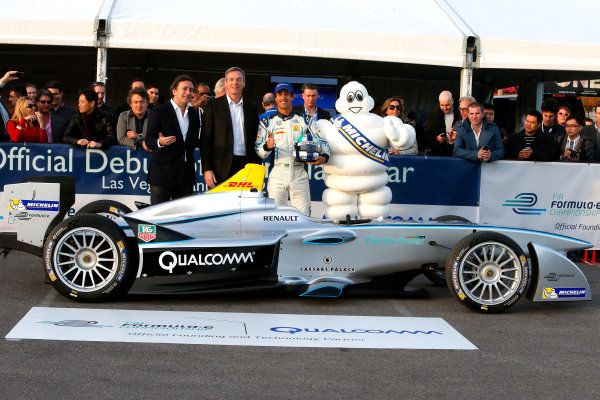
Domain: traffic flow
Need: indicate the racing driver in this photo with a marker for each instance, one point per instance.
(279, 132)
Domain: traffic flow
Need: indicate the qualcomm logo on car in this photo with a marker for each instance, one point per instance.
(523, 204)
(169, 260)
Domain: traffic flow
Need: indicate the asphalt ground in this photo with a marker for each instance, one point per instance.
(532, 351)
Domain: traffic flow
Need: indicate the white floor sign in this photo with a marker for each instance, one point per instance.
(238, 329)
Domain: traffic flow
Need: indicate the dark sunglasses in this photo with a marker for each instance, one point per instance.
(203, 94)
(45, 101)
(31, 106)
(393, 107)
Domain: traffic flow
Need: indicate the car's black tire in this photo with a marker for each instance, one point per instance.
(450, 218)
(487, 271)
(88, 258)
(434, 272)
(107, 208)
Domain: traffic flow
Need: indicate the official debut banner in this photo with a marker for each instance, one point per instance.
(562, 198)
(238, 329)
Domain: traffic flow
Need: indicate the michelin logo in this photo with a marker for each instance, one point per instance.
(561, 293)
(40, 205)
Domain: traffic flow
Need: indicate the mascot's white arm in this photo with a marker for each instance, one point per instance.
(401, 136)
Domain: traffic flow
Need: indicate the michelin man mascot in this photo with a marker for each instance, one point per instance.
(356, 174)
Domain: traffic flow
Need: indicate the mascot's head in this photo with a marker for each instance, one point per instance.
(355, 99)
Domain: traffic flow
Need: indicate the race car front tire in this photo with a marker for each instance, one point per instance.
(87, 258)
(487, 271)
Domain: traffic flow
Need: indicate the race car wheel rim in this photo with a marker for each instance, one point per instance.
(490, 273)
(86, 259)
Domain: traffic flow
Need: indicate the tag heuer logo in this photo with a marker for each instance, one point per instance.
(147, 232)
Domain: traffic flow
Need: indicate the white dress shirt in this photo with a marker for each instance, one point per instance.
(237, 120)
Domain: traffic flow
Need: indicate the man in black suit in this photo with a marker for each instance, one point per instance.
(173, 130)
(229, 131)
(310, 94)
(439, 130)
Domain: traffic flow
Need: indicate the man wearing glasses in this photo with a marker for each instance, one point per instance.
(573, 146)
(55, 126)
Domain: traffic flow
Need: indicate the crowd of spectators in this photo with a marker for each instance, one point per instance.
(464, 129)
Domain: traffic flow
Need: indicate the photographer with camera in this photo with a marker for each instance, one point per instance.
(573, 146)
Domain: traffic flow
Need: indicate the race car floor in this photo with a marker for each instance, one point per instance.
(533, 350)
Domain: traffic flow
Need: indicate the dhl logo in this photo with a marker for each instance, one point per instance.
(240, 184)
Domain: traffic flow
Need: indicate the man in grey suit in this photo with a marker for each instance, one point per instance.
(55, 125)
(133, 124)
(477, 139)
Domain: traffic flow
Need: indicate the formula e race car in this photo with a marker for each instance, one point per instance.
(232, 238)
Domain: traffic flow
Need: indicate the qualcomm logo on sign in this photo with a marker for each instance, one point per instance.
(523, 204)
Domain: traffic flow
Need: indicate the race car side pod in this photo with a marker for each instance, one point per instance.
(33, 231)
(555, 277)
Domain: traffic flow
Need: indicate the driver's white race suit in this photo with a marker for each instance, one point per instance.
(287, 176)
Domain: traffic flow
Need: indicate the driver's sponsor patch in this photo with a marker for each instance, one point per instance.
(238, 329)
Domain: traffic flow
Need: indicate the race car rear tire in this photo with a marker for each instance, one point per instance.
(107, 208)
(434, 272)
(487, 271)
(87, 258)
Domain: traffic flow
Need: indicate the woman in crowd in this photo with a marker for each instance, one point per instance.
(25, 124)
(563, 113)
(394, 106)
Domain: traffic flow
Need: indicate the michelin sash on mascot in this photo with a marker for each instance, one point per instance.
(356, 173)
(360, 142)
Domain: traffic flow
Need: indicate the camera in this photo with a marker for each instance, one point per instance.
(443, 134)
(20, 74)
(573, 154)
(486, 148)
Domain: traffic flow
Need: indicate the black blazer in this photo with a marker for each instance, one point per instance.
(321, 114)
(168, 166)
(436, 124)
(216, 141)
(58, 126)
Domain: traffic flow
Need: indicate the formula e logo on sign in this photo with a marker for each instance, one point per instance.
(147, 232)
(76, 323)
(523, 204)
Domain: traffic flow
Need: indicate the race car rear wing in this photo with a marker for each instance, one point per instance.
(251, 178)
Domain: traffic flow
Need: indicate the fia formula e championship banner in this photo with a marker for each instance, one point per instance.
(561, 198)
(238, 329)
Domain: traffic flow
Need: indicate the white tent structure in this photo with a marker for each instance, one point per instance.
(502, 42)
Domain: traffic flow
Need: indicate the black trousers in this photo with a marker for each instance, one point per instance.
(238, 163)
(160, 194)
